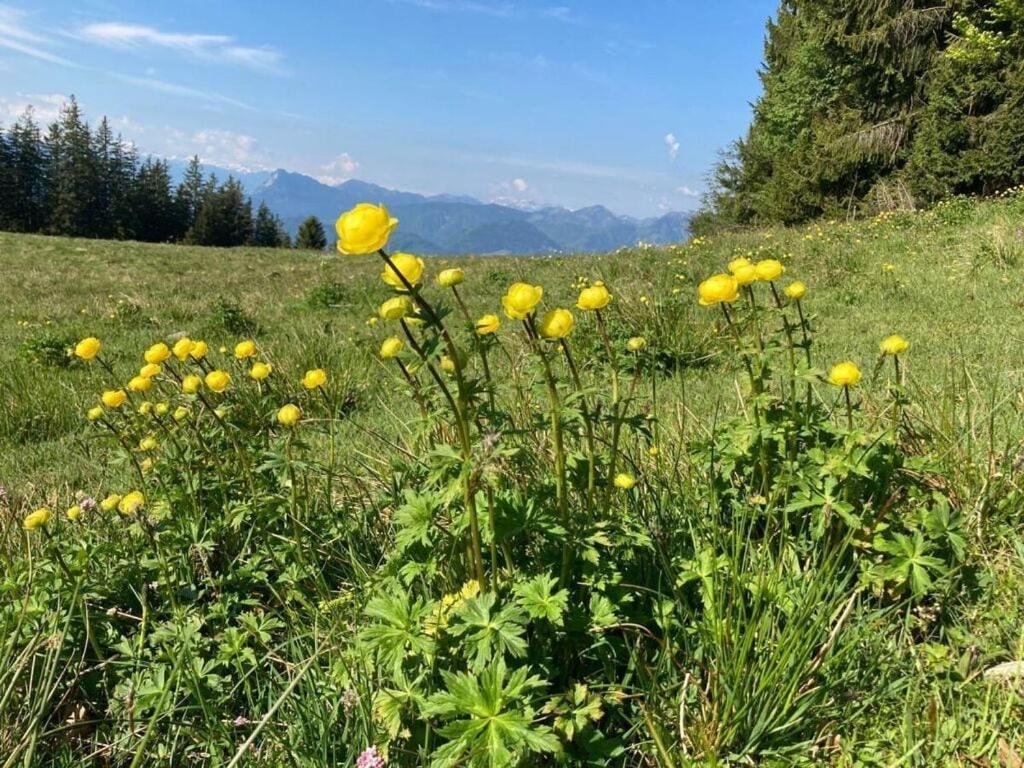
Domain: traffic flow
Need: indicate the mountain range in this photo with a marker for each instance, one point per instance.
(457, 224)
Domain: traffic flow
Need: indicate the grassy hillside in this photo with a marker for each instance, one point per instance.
(693, 549)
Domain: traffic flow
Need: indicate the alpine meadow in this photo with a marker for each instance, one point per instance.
(291, 499)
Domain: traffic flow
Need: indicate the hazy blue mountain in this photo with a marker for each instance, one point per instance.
(454, 224)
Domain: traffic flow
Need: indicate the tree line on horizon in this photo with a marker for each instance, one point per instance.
(872, 105)
(73, 181)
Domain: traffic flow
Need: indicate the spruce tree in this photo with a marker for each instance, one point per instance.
(29, 181)
(72, 169)
(311, 235)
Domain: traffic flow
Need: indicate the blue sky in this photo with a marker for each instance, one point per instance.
(554, 102)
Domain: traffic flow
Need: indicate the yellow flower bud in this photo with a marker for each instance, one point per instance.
(183, 348)
(110, 502)
(556, 324)
(131, 503)
(796, 290)
(624, 481)
(88, 348)
(145, 408)
(593, 298)
(736, 264)
(396, 308)
(149, 370)
(893, 345)
(391, 347)
(845, 374)
(449, 278)
(410, 267)
(162, 409)
(314, 378)
(487, 324)
(521, 299)
(218, 380)
(364, 229)
(199, 350)
(260, 371)
(745, 274)
(244, 349)
(769, 269)
(147, 443)
(114, 398)
(95, 413)
(157, 353)
(37, 519)
(289, 415)
(140, 384)
(191, 384)
(74, 512)
(717, 289)
(636, 343)
(180, 413)
(448, 365)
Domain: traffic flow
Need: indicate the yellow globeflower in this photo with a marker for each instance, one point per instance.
(289, 415)
(396, 308)
(149, 370)
(180, 413)
(845, 374)
(218, 380)
(448, 365)
(487, 324)
(260, 371)
(162, 409)
(147, 443)
(145, 408)
(736, 264)
(717, 289)
(745, 274)
(314, 378)
(37, 519)
(391, 347)
(521, 299)
(769, 270)
(894, 345)
(244, 349)
(131, 503)
(114, 398)
(88, 348)
(624, 481)
(157, 353)
(556, 324)
(140, 384)
(95, 413)
(364, 229)
(183, 348)
(449, 278)
(410, 267)
(636, 343)
(191, 384)
(110, 502)
(593, 298)
(796, 290)
(74, 512)
(199, 350)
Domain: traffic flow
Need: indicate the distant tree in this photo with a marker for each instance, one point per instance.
(189, 196)
(311, 235)
(268, 230)
(72, 172)
(225, 216)
(28, 176)
(155, 209)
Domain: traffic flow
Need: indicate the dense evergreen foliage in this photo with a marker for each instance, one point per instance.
(878, 105)
(74, 181)
(311, 235)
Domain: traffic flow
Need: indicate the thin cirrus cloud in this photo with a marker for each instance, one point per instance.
(202, 47)
(15, 36)
(673, 145)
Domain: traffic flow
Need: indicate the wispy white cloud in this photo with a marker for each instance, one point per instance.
(174, 89)
(685, 191)
(203, 47)
(16, 36)
(673, 145)
(45, 106)
(499, 9)
(340, 169)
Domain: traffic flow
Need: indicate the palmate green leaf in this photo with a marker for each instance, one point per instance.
(489, 635)
(491, 721)
(398, 631)
(389, 704)
(538, 599)
(414, 520)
